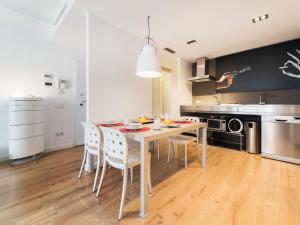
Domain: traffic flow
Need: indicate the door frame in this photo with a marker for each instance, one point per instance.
(165, 92)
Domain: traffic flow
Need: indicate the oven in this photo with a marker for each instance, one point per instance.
(216, 124)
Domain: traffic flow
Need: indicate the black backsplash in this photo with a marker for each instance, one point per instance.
(265, 73)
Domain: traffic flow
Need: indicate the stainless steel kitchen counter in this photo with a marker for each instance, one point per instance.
(260, 110)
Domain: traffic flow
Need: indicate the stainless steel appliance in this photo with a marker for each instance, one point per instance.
(280, 138)
(216, 124)
(235, 125)
(204, 70)
(253, 142)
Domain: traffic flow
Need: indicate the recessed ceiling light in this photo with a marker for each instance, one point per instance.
(191, 42)
(260, 18)
(170, 50)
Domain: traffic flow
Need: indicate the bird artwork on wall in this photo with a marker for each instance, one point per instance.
(227, 78)
(291, 67)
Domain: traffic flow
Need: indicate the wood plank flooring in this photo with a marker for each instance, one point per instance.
(235, 188)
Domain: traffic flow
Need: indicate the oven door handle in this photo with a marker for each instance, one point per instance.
(280, 121)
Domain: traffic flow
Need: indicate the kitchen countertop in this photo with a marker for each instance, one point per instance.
(251, 109)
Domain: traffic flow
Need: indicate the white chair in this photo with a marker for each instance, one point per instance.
(92, 145)
(117, 155)
(184, 139)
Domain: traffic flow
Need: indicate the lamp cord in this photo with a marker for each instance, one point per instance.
(149, 31)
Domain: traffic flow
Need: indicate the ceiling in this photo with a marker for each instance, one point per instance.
(220, 27)
(42, 10)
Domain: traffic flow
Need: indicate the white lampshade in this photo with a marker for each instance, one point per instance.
(148, 64)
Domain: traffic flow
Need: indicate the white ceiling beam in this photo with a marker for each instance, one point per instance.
(61, 15)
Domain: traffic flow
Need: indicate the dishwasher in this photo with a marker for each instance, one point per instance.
(280, 138)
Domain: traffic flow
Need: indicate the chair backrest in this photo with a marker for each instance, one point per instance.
(92, 137)
(115, 147)
(191, 119)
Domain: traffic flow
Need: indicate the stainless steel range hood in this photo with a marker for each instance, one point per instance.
(204, 70)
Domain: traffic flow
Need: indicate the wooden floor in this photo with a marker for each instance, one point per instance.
(235, 188)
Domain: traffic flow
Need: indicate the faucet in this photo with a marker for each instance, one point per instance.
(217, 100)
(261, 97)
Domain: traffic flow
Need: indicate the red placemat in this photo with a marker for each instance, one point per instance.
(111, 125)
(135, 131)
(182, 122)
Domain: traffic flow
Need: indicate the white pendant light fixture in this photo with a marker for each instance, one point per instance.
(147, 64)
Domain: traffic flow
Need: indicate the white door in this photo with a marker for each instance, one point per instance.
(80, 99)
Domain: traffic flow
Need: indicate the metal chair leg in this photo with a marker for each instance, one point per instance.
(97, 173)
(82, 164)
(169, 152)
(158, 150)
(123, 193)
(102, 177)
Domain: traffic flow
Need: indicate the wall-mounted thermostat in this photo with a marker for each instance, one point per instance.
(62, 84)
(49, 79)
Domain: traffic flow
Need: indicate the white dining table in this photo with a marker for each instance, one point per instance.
(144, 138)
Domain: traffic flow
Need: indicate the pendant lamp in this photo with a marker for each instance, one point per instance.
(147, 64)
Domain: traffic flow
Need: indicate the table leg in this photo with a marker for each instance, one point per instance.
(204, 140)
(144, 196)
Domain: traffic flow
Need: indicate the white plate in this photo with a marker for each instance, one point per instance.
(110, 122)
(134, 126)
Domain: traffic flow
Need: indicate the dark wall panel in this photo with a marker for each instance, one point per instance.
(265, 76)
(264, 64)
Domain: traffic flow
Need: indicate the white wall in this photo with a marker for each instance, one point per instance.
(25, 55)
(115, 90)
(185, 96)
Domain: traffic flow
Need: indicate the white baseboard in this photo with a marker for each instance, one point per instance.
(60, 147)
(3, 158)
(47, 149)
